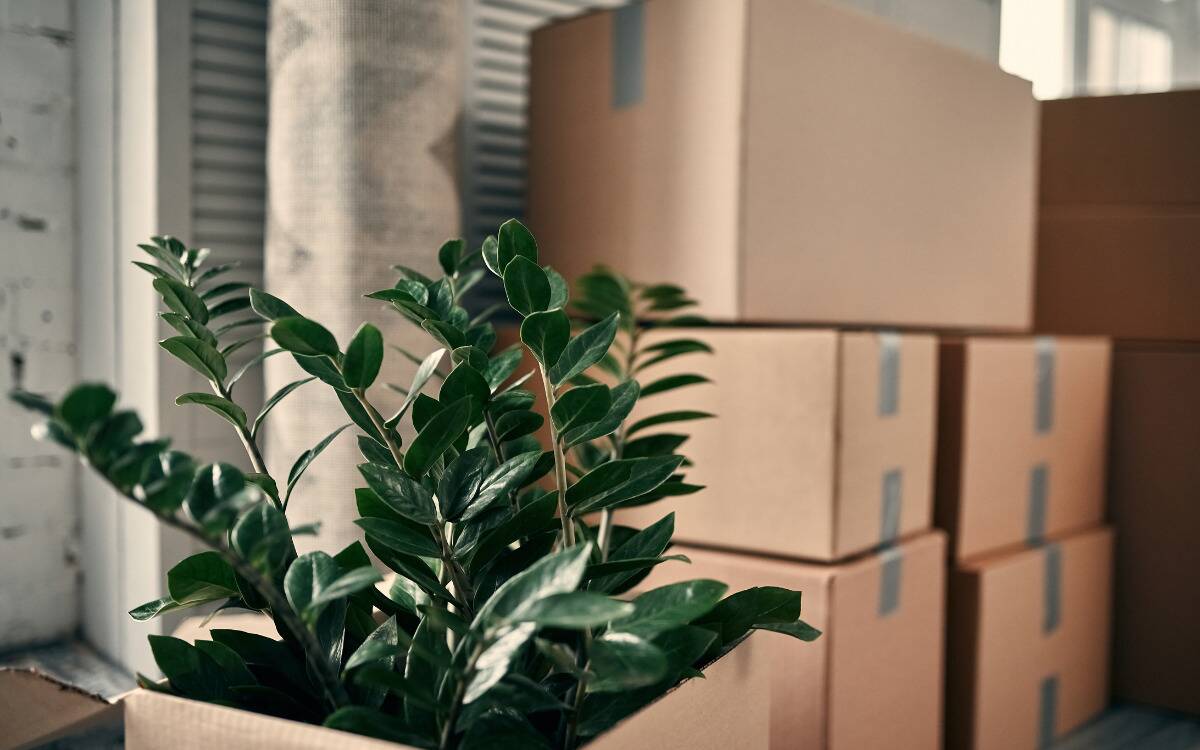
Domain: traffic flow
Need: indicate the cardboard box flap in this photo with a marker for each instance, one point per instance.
(36, 708)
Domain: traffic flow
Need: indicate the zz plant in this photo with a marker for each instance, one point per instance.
(508, 622)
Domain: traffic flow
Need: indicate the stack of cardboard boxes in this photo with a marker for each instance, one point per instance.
(1119, 255)
(798, 163)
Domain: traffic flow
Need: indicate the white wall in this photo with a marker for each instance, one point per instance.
(38, 491)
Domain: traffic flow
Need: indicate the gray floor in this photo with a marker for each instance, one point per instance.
(1121, 727)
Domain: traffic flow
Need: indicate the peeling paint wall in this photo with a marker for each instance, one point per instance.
(38, 491)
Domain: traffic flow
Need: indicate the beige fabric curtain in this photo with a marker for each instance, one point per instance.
(364, 106)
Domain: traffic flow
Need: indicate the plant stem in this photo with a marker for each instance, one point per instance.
(560, 466)
(321, 668)
(377, 421)
(456, 704)
(580, 690)
(605, 533)
(248, 441)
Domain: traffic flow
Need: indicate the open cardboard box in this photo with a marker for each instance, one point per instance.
(729, 708)
(728, 146)
(874, 678)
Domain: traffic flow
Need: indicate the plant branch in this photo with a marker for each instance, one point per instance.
(320, 666)
(456, 703)
(248, 440)
(560, 465)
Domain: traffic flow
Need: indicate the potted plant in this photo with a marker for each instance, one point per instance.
(509, 621)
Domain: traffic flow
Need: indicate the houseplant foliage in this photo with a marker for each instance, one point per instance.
(509, 621)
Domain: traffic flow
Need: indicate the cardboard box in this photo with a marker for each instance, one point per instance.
(730, 146)
(1119, 216)
(1028, 639)
(874, 677)
(727, 709)
(1154, 501)
(1022, 424)
(822, 446)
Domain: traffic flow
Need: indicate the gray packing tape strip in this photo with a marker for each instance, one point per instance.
(889, 530)
(629, 51)
(1052, 587)
(1044, 400)
(889, 584)
(889, 374)
(1039, 490)
(1047, 710)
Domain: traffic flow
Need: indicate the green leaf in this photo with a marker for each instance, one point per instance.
(424, 667)
(212, 486)
(505, 479)
(670, 606)
(402, 494)
(165, 481)
(273, 401)
(167, 257)
(461, 481)
(85, 405)
(255, 361)
(462, 382)
(34, 402)
(546, 334)
(188, 327)
(438, 435)
(324, 370)
(230, 663)
(559, 291)
(517, 424)
(228, 410)
(494, 663)
(382, 645)
(665, 350)
(305, 337)
(624, 397)
(270, 307)
(630, 565)
(580, 406)
(402, 537)
(576, 610)
(152, 609)
(672, 382)
(514, 240)
(762, 605)
(181, 299)
(214, 271)
(557, 573)
(622, 661)
(231, 305)
(307, 578)
(305, 459)
(532, 518)
(648, 543)
(503, 728)
(372, 722)
(425, 370)
(222, 289)
(153, 270)
(197, 355)
(662, 444)
(261, 536)
(526, 286)
(350, 582)
(203, 577)
(491, 255)
(450, 255)
(191, 672)
(502, 366)
(610, 483)
(666, 418)
(585, 350)
(798, 629)
(358, 414)
(364, 356)
(446, 334)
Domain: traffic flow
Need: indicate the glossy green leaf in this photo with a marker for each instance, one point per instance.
(465, 381)
(516, 424)
(493, 664)
(461, 481)
(615, 481)
(372, 722)
(580, 406)
(585, 350)
(438, 435)
(203, 577)
(152, 609)
(403, 495)
(85, 405)
(197, 355)
(557, 573)
(671, 382)
(225, 408)
(502, 481)
(305, 337)
(670, 606)
(666, 418)
(273, 401)
(576, 610)
(188, 327)
(213, 485)
(546, 334)
(270, 307)
(181, 299)
(798, 629)
(623, 398)
(761, 605)
(622, 661)
(410, 539)
(526, 286)
(305, 459)
(514, 240)
(307, 578)
(450, 255)
(364, 356)
(261, 536)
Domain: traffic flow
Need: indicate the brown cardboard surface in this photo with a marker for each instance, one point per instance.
(1000, 650)
(774, 194)
(1128, 149)
(1154, 501)
(36, 709)
(795, 462)
(1119, 216)
(989, 443)
(871, 680)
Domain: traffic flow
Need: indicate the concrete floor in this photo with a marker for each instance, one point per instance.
(1122, 727)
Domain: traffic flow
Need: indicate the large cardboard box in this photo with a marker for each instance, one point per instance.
(1154, 501)
(785, 162)
(822, 446)
(729, 708)
(874, 677)
(1021, 439)
(1119, 217)
(1028, 639)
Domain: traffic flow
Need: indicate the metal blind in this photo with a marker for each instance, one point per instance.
(229, 130)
